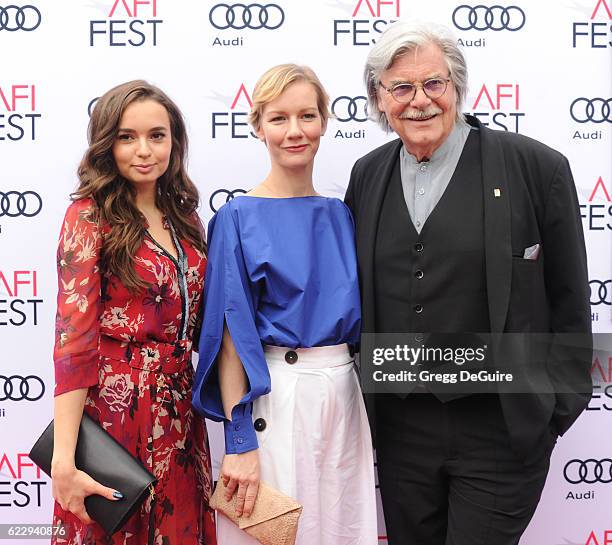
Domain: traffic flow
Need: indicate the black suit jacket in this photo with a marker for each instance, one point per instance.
(529, 198)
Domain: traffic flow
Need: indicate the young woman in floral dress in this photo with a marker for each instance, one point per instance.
(131, 262)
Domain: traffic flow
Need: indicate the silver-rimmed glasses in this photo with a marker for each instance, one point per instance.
(405, 92)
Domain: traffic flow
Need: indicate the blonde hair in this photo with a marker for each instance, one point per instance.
(274, 82)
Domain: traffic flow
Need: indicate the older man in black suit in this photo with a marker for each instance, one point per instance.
(461, 229)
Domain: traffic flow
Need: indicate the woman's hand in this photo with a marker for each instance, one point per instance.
(241, 472)
(70, 487)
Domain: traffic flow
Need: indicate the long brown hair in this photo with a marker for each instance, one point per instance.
(177, 197)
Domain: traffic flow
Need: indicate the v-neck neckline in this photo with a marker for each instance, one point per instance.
(174, 258)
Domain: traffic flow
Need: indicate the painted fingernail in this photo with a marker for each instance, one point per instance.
(117, 495)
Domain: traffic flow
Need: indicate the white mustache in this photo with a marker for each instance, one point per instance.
(420, 114)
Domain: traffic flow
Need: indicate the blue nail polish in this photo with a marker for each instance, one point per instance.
(118, 495)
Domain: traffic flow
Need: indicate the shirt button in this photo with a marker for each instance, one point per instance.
(422, 191)
(423, 168)
(418, 246)
(291, 357)
(418, 274)
(240, 440)
(418, 223)
(418, 309)
(259, 424)
(237, 427)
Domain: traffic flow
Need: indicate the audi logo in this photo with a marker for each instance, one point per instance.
(13, 18)
(350, 109)
(221, 196)
(488, 18)
(597, 110)
(18, 388)
(601, 292)
(241, 16)
(588, 471)
(14, 203)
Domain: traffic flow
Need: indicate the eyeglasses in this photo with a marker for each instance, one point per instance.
(405, 92)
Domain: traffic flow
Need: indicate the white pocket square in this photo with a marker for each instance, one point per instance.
(532, 252)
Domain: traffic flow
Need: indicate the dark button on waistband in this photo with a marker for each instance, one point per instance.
(418, 274)
(259, 424)
(418, 246)
(291, 356)
(418, 309)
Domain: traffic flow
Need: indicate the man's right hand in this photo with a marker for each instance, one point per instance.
(70, 487)
(240, 474)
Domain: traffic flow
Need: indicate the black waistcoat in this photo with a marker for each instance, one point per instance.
(434, 281)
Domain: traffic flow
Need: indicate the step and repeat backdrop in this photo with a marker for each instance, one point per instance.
(541, 68)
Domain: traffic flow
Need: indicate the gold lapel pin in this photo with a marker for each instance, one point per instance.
(497, 192)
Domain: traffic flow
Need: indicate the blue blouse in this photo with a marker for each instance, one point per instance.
(280, 272)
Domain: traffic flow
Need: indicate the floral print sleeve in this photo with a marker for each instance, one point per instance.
(78, 300)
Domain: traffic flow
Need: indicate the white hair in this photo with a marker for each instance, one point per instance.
(401, 38)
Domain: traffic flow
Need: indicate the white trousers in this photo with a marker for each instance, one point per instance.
(316, 448)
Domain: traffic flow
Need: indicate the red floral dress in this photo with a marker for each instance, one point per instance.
(133, 352)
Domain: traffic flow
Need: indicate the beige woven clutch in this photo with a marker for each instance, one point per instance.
(274, 519)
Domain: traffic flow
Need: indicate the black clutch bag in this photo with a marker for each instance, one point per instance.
(104, 459)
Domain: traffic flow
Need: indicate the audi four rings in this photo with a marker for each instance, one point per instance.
(13, 18)
(221, 196)
(588, 471)
(15, 203)
(350, 108)
(597, 110)
(241, 16)
(18, 388)
(601, 292)
(481, 17)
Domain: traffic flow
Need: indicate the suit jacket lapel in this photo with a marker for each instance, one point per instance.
(498, 242)
(378, 181)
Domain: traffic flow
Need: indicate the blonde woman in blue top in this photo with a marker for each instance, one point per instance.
(281, 309)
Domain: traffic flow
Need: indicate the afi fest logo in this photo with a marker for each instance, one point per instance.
(18, 298)
(233, 123)
(498, 106)
(479, 19)
(597, 32)
(19, 18)
(597, 211)
(596, 111)
(128, 23)
(21, 481)
(603, 537)
(350, 109)
(236, 18)
(18, 114)
(369, 18)
(601, 373)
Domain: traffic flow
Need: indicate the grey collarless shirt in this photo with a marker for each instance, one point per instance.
(424, 183)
